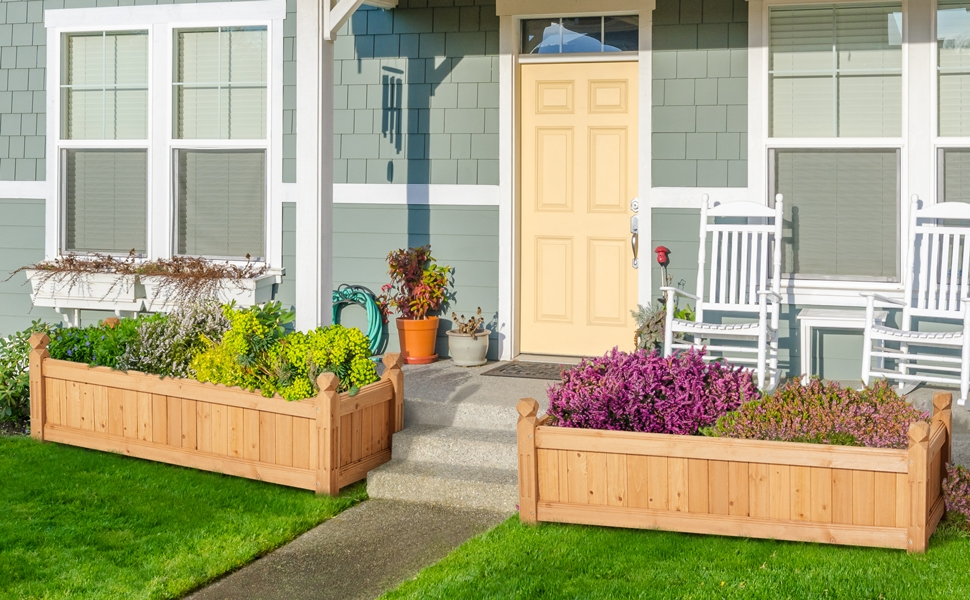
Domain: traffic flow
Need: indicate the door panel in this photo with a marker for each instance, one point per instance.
(579, 172)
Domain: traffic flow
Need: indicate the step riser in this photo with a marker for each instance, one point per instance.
(463, 494)
(454, 451)
(471, 416)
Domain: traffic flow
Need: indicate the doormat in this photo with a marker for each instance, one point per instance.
(529, 370)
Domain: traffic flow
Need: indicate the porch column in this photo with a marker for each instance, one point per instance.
(314, 167)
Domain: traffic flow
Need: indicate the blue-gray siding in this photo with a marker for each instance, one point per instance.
(21, 243)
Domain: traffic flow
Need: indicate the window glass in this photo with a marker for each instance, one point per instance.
(953, 46)
(841, 212)
(105, 194)
(581, 35)
(104, 86)
(836, 71)
(221, 203)
(220, 86)
(954, 165)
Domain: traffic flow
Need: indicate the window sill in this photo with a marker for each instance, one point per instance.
(814, 292)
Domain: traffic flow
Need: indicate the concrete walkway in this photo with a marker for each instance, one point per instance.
(359, 554)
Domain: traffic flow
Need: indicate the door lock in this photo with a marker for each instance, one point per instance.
(635, 239)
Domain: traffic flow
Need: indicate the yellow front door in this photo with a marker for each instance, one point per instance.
(579, 174)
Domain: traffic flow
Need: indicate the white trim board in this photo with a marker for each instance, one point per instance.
(126, 16)
(416, 194)
(25, 190)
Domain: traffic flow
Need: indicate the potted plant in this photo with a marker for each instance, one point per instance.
(418, 287)
(86, 281)
(469, 343)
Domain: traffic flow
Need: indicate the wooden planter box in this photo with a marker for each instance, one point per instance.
(320, 444)
(773, 490)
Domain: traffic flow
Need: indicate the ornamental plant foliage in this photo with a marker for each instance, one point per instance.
(646, 392)
(165, 346)
(256, 354)
(418, 285)
(956, 495)
(14, 376)
(825, 413)
(99, 345)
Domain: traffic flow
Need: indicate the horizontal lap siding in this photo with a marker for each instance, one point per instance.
(741, 489)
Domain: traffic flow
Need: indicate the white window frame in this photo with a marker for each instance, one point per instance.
(939, 142)
(161, 22)
(829, 291)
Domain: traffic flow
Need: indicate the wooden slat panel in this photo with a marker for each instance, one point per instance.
(346, 447)
(116, 412)
(367, 431)
(376, 393)
(190, 423)
(563, 476)
(87, 407)
(637, 492)
(357, 471)
(758, 491)
(181, 388)
(576, 477)
(159, 418)
(822, 495)
(237, 432)
(718, 490)
(678, 485)
(884, 511)
(301, 443)
(863, 502)
(738, 489)
(801, 494)
(596, 478)
(698, 500)
(251, 434)
(54, 398)
(779, 495)
(657, 482)
(548, 471)
(284, 440)
(616, 479)
(381, 413)
(73, 404)
(145, 416)
(99, 397)
(129, 403)
(751, 451)
(267, 437)
(356, 447)
(204, 429)
(842, 496)
(220, 429)
(175, 422)
(902, 500)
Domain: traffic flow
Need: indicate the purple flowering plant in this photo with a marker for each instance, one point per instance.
(956, 495)
(645, 392)
(825, 413)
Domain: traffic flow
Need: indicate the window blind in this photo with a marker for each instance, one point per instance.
(220, 87)
(954, 175)
(221, 202)
(836, 71)
(105, 86)
(841, 212)
(953, 47)
(105, 194)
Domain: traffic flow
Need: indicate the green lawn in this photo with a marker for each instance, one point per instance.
(78, 523)
(567, 561)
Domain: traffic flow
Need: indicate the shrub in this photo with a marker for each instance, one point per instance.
(956, 495)
(254, 354)
(418, 285)
(100, 345)
(648, 393)
(825, 413)
(14, 375)
(166, 346)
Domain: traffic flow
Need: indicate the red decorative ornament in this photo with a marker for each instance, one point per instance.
(663, 255)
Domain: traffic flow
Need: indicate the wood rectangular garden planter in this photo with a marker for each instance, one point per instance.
(775, 490)
(320, 444)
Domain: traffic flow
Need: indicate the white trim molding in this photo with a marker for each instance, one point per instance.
(416, 194)
(23, 190)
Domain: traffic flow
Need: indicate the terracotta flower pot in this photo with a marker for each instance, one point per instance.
(418, 340)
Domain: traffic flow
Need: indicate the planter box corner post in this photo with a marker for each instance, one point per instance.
(328, 431)
(392, 363)
(528, 477)
(38, 403)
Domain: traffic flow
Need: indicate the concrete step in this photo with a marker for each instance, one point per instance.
(460, 414)
(445, 485)
(456, 446)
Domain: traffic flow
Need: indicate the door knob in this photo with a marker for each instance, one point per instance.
(635, 239)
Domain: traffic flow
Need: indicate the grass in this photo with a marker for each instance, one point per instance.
(79, 523)
(567, 561)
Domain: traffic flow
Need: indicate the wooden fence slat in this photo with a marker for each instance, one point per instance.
(863, 499)
(657, 482)
(615, 479)
(801, 494)
(884, 511)
(251, 434)
(301, 443)
(563, 475)
(842, 496)
(576, 477)
(758, 491)
(366, 431)
(381, 414)
(267, 437)
(87, 407)
(284, 440)
(175, 422)
(160, 418)
(902, 500)
(220, 429)
(779, 495)
(144, 416)
(678, 485)
(53, 396)
(698, 495)
(346, 452)
(821, 495)
(204, 429)
(596, 479)
(637, 491)
(129, 413)
(116, 412)
(356, 448)
(548, 470)
(236, 441)
(719, 490)
(738, 489)
(99, 397)
(73, 404)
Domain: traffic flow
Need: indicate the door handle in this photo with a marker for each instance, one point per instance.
(635, 239)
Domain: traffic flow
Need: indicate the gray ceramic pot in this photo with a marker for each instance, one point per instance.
(468, 352)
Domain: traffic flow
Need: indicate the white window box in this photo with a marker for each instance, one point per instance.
(245, 292)
(85, 291)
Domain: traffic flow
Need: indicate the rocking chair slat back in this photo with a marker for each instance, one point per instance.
(938, 281)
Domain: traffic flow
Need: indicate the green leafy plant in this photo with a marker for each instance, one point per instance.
(14, 375)
(101, 345)
(418, 285)
(651, 324)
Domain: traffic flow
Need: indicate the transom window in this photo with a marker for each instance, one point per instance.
(581, 35)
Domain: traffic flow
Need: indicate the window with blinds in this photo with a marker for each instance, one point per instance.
(221, 203)
(953, 174)
(841, 212)
(953, 64)
(105, 194)
(104, 86)
(220, 83)
(836, 71)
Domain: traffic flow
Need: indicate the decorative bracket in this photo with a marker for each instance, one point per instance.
(337, 13)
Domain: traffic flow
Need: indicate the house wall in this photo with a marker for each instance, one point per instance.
(21, 243)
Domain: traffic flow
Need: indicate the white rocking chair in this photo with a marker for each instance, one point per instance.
(745, 260)
(936, 288)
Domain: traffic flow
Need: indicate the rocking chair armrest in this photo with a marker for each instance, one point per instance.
(680, 292)
(872, 296)
(774, 295)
